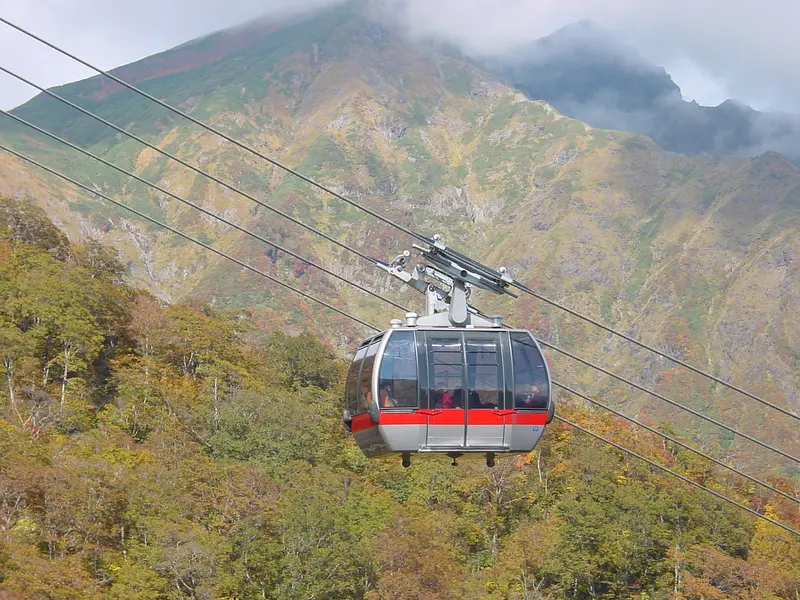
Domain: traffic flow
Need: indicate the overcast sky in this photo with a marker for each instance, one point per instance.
(714, 49)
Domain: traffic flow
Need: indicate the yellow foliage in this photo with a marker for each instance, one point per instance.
(125, 457)
(24, 526)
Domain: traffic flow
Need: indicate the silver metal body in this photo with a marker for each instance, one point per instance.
(503, 428)
(453, 381)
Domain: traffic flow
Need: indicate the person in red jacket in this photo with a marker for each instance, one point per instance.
(444, 400)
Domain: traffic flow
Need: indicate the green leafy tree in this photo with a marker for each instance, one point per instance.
(15, 348)
(323, 525)
(278, 427)
(304, 360)
(23, 222)
(186, 460)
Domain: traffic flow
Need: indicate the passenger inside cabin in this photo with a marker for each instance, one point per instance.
(366, 396)
(387, 400)
(531, 397)
(444, 400)
(475, 401)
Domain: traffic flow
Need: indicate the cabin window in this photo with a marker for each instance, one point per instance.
(485, 371)
(530, 373)
(397, 384)
(351, 395)
(365, 379)
(446, 361)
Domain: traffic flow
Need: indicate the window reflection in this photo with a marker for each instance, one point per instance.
(447, 364)
(485, 373)
(352, 394)
(397, 383)
(531, 389)
(365, 380)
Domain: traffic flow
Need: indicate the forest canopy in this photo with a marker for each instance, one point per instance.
(152, 451)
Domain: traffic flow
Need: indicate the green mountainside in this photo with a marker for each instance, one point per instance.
(696, 255)
(152, 452)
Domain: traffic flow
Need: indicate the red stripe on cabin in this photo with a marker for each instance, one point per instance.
(451, 416)
(504, 417)
(488, 417)
(528, 419)
(445, 416)
(361, 422)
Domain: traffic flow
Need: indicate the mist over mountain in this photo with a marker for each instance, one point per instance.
(587, 74)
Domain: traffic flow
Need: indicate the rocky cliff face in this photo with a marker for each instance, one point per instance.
(696, 255)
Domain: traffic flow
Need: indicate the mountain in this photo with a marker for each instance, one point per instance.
(585, 73)
(695, 254)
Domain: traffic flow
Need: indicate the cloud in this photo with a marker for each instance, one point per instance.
(696, 83)
(749, 47)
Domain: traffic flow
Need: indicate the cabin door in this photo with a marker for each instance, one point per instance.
(486, 417)
(446, 414)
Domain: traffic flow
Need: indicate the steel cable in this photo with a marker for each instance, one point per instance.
(678, 475)
(386, 220)
(360, 321)
(185, 236)
(197, 170)
(675, 441)
(216, 131)
(663, 398)
(203, 210)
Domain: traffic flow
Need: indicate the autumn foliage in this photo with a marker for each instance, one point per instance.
(158, 452)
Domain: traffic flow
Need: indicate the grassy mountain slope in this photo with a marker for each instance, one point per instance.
(693, 254)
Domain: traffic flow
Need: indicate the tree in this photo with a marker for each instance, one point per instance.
(527, 561)
(15, 346)
(277, 427)
(21, 221)
(305, 360)
(416, 558)
(323, 524)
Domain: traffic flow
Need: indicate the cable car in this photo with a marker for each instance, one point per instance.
(453, 381)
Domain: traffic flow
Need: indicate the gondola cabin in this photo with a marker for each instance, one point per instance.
(467, 391)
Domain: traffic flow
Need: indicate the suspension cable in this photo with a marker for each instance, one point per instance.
(675, 441)
(678, 475)
(386, 220)
(655, 431)
(197, 170)
(358, 320)
(662, 397)
(216, 131)
(669, 401)
(290, 252)
(203, 210)
(187, 237)
(674, 359)
(269, 242)
(387, 300)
